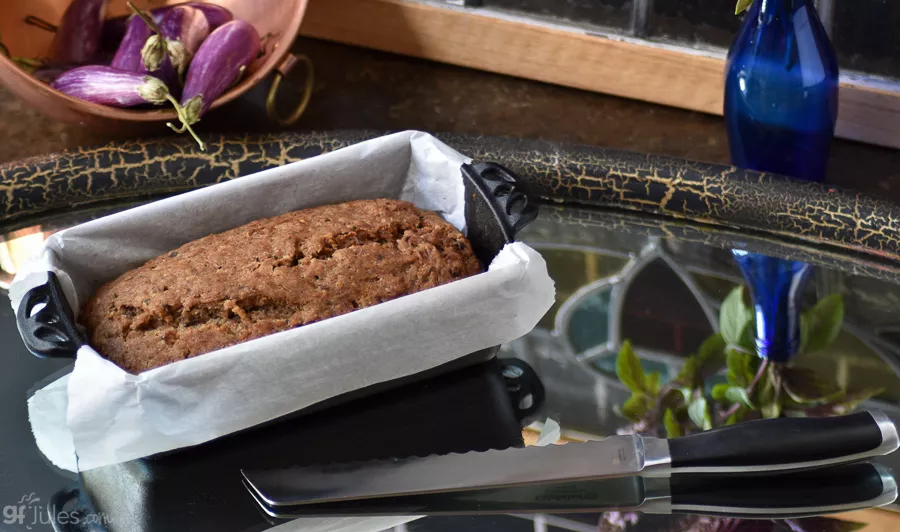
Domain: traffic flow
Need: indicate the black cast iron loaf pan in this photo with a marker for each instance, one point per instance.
(496, 209)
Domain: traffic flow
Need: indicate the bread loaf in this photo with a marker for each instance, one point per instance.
(272, 275)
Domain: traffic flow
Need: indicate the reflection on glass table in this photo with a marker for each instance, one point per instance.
(662, 292)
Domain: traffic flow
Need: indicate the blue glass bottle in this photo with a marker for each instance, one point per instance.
(781, 90)
(781, 99)
(776, 287)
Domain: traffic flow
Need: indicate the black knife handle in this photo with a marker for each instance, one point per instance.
(785, 443)
(785, 495)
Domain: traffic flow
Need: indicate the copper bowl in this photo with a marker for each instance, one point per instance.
(278, 18)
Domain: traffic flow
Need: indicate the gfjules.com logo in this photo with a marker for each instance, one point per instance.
(30, 512)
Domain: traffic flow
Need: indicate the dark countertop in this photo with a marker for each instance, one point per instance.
(357, 88)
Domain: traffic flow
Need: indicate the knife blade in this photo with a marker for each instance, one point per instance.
(758, 496)
(755, 446)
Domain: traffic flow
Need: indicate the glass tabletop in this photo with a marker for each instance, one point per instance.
(622, 280)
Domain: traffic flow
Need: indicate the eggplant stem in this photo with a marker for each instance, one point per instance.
(179, 110)
(38, 22)
(146, 18)
(28, 64)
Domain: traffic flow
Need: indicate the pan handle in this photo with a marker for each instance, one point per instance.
(526, 392)
(281, 72)
(502, 190)
(46, 323)
(80, 518)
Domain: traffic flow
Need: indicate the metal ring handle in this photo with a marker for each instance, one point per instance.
(280, 73)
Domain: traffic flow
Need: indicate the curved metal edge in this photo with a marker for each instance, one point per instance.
(712, 194)
(890, 441)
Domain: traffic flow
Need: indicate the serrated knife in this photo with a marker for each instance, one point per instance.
(760, 496)
(753, 447)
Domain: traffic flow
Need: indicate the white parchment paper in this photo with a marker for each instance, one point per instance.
(114, 416)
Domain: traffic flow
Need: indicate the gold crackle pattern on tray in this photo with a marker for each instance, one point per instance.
(701, 192)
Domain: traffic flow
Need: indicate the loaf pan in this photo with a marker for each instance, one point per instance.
(496, 209)
(120, 417)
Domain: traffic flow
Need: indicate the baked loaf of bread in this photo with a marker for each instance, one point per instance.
(272, 275)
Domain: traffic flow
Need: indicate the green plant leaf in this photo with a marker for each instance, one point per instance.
(637, 406)
(748, 337)
(771, 410)
(805, 387)
(737, 416)
(687, 376)
(719, 391)
(708, 361)
(825, 320)
(735, 394)
(710, 357)
(742, 5)
(734, 316)
(851, 401)
(653, 383)
(740, 367)
(725, 393)
(671, 399)
(629, 369)
(698, 411)
(673, 427)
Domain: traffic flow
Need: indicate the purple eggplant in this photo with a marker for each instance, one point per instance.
(111, 86)
(128, 56)
(139, 39)
(184, 29)
(219, 62)
(77, 39)
(114, 28)
(216, 15)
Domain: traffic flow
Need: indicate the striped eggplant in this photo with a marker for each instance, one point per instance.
(111, 86)
(131, 54)
(77, 39)
(216, 15)
(128, 55)
(220, 61)
(184, 29)
(114, 28)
